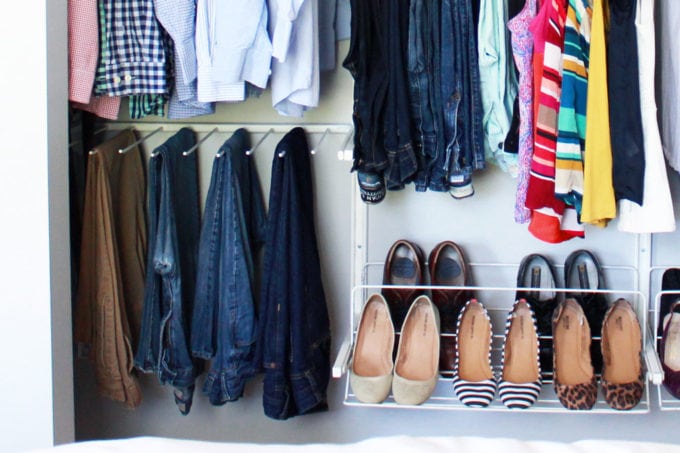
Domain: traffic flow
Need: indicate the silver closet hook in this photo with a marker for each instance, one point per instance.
(323, 137)
(141, 140)
(259, 142)
(347, 139)
(99, 131)
(195, 147)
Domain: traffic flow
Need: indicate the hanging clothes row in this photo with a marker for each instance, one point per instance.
(180, 57)
(582, 129)
(417, 105)
(437, 96)
(169, 295)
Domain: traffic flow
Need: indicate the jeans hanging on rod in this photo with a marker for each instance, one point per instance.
(173, 233)
(294, 333)
(224, 324)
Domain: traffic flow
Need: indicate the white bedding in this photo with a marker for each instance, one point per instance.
(396, 444)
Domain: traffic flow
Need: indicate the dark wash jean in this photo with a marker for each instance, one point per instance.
(367, 62)
(294, 332)
(460, 98)
(402, 162)
(173, 232)
(423, 74)
(224, 323)
(377, 62)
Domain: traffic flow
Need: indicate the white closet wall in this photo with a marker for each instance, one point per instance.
(483, 225)
(35, 325)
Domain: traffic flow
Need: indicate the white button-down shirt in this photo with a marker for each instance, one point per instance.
(295, 67)
(232, 47)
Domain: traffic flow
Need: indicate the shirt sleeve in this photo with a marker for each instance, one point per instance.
(283, 29)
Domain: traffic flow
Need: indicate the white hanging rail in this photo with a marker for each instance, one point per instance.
(255, 128)
(317, 129)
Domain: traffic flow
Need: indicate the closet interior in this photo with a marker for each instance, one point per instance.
(353, 239)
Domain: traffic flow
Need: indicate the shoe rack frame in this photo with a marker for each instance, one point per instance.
(664, 399)
(498, 300)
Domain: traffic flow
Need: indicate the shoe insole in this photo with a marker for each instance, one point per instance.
(539, 276)
(474, 338)
(622, 331)
(419, 348)
(584, 275)
(448, 271)
(403, 270)
(375, 339)
(671, 355)
(521, 352)
(572, 350)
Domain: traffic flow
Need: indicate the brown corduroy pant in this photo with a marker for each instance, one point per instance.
(112, 264)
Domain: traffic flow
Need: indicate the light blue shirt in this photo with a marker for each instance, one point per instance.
(178, 18)
(295, 67)
(232, 47)
(498, 81)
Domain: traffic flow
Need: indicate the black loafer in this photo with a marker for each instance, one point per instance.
(535, 271)
(582, 271)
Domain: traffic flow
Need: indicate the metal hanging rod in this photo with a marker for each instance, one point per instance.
(200, 142)
(260, 141)
(140, 141)
(226, 128)
(98, 131)
(346, 141)
(266, 129)
(76, 141)
(323, 137)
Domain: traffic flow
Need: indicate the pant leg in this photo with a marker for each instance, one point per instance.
(127, 179)
(309, 324)
(102, 317)
(275, 331)
(402, 162)
(149, 345)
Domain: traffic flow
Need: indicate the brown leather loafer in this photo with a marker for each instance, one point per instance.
(403, 267)
(448, 268)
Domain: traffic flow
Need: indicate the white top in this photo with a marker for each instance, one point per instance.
(232, 47)
(295, 67)
(669, 48)
(656, 213)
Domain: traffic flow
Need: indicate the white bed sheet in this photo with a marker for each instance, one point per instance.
(396, 444)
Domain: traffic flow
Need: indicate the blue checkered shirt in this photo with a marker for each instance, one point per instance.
(135, 59)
